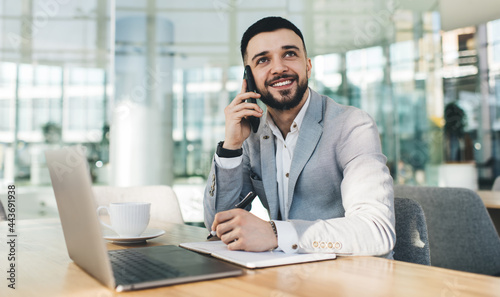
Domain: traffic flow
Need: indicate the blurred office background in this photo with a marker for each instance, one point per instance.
(143, 85)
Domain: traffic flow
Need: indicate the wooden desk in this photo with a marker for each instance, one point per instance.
(44, 269)
(491, 199)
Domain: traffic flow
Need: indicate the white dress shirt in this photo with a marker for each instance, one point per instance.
(287, 235)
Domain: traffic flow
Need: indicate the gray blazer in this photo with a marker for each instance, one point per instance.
(340, 191)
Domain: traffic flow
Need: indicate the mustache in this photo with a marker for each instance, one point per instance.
(272, 80)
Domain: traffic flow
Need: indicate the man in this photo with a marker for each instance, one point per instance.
(316, 165)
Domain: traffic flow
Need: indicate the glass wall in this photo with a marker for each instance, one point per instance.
(54, 62)
(143, 84)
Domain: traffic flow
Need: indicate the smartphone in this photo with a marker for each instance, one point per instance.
(251, 87)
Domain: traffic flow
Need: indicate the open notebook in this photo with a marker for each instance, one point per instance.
(218, 249)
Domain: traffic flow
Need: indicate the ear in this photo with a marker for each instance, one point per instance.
(308, 67)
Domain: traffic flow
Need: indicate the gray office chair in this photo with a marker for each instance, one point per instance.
(412, 244)
(3, 216)
(461, 233)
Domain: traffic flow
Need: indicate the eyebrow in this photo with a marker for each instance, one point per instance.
(285, 47)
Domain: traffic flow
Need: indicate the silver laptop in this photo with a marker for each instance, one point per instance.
(125, 269)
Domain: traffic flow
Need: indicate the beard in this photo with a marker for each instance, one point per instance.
(288, 100)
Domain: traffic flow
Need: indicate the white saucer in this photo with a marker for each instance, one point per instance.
(148, 234)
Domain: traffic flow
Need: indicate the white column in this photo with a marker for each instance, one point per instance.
(141, 145)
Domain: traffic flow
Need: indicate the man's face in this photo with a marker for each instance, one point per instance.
(280, 67)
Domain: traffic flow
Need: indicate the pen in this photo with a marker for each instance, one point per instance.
(242, 204)
(246, 201)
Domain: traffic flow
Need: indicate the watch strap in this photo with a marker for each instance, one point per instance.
(225, 153)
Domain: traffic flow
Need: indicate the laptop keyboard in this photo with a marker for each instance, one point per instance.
(131, 267)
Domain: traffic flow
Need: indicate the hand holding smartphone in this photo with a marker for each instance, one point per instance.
(251, 87)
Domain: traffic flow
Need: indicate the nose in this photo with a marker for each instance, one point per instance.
(278, 66)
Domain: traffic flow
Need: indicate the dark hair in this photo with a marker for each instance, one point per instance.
(267, 24)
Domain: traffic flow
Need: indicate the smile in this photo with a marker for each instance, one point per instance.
(282, 83)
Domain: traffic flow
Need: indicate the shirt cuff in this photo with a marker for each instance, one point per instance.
(288, 240)
(228, 163)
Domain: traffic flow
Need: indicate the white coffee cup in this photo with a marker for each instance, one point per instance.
(128, 219)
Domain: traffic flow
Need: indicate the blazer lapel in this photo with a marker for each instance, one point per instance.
(268, 165)
(309, 135)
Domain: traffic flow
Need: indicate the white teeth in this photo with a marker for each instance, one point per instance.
(283, 83)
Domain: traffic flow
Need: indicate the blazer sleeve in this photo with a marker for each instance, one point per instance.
(368, 227)
(224, 189)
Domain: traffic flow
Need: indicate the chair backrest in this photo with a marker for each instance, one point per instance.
(461, 233)
(463, 175)
(496, 184)
(164, 204)
(412, 244)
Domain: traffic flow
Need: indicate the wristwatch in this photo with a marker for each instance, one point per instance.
(225, 153)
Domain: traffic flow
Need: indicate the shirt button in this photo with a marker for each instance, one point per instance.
(294, 247)
(287, 174)
(265, 137)
(294, 125)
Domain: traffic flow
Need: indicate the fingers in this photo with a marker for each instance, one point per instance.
(225, 225)
(244, 110)
(219, 220)
(237, 124)
(240, 108)
(230, 237)
(242, 97)
(235, 245)
(236, 113)
(244, 94)
(222, 217)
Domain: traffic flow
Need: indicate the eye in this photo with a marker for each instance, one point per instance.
(262, 60)
(290, 54)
